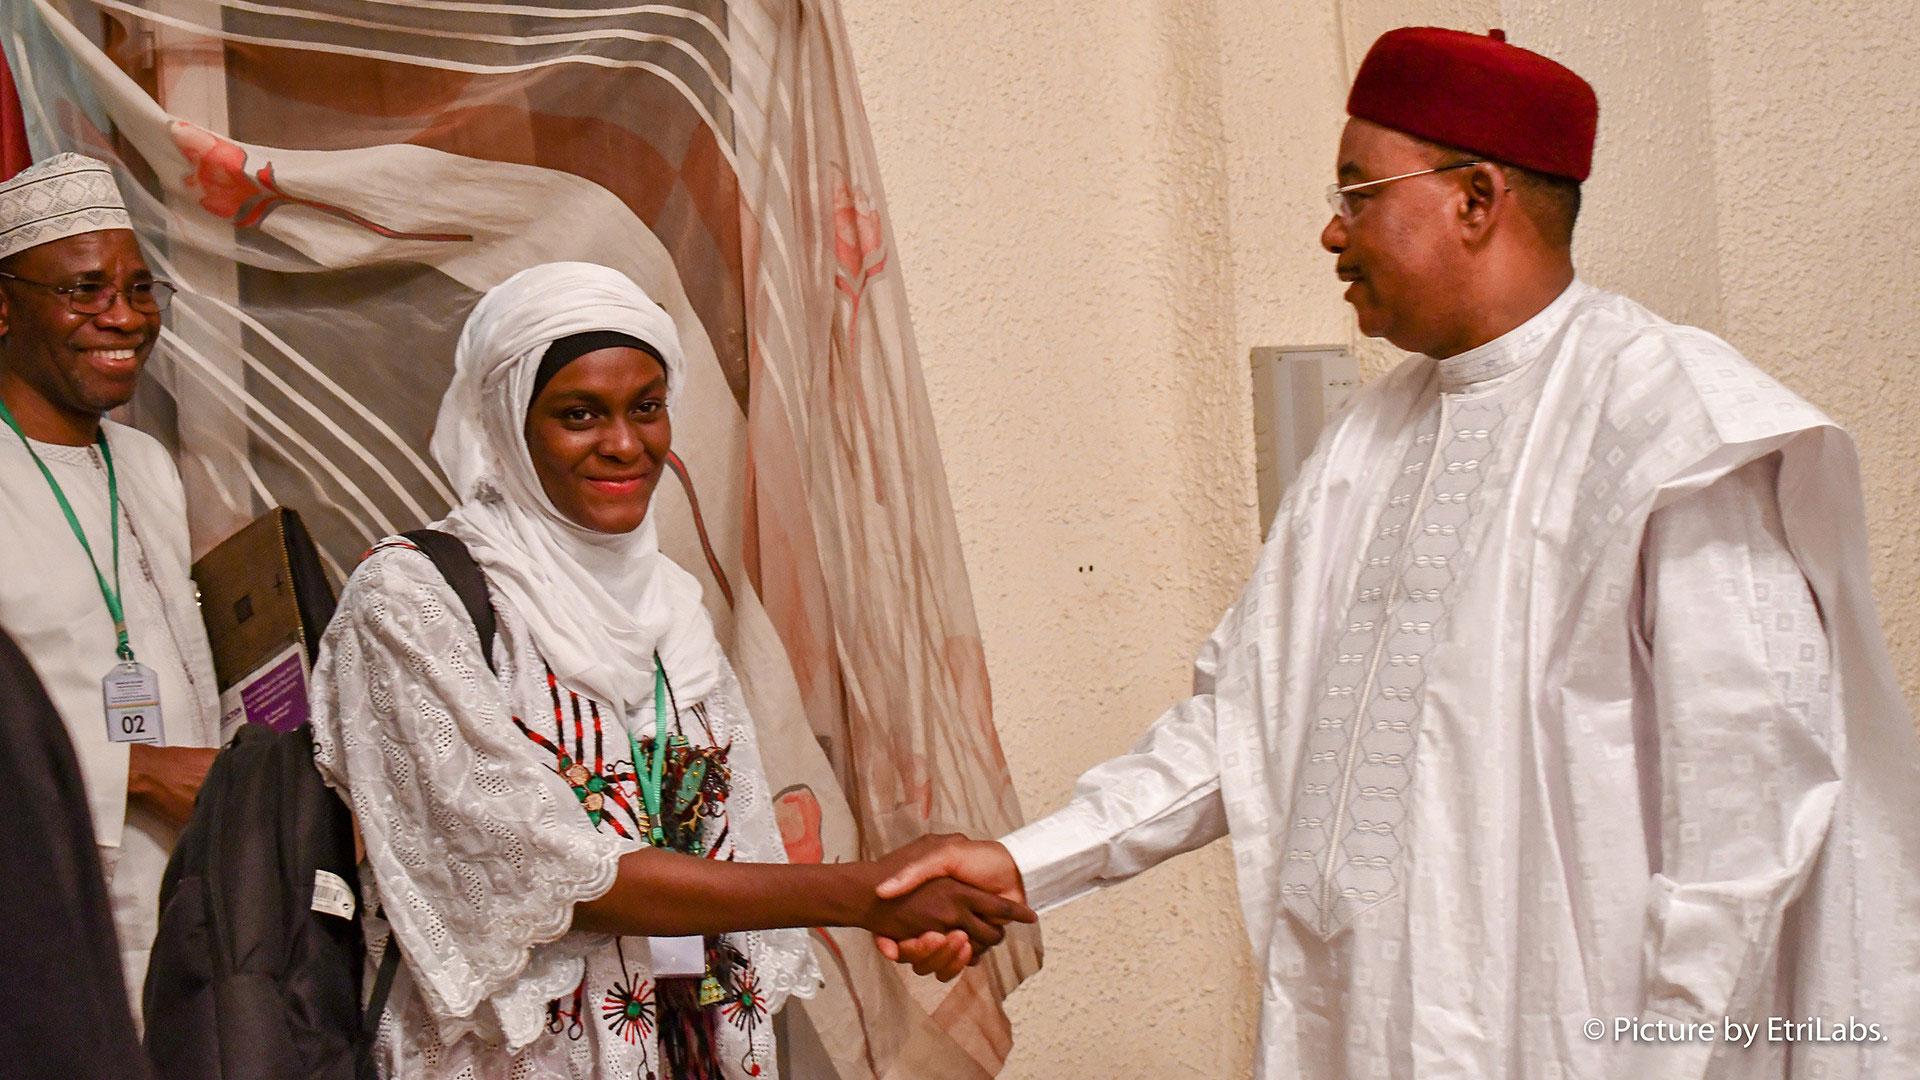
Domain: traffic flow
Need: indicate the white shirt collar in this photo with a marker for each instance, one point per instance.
(1510, 351)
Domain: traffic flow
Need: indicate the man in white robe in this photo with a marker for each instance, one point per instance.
(79, 314)
(1554, 732)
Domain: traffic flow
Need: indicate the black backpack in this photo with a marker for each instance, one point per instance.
(247, 980)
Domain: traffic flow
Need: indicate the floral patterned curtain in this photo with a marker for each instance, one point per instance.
(333, 183)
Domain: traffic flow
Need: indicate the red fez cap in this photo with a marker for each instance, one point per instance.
(1479, 94)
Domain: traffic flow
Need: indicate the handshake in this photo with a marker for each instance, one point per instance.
(943, 901)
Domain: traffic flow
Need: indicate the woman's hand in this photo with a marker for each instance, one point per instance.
(945, 905)
(981, 863)
(669, 893)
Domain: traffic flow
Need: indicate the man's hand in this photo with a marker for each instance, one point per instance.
(984, 864)
(944, 905)
(166, 779)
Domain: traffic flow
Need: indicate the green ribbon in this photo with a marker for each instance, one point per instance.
(651, 781)
(111, 594)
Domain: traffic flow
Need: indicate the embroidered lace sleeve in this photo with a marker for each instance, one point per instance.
(479, 851)
(783, 958)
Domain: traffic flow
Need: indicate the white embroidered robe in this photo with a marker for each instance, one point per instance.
(51, 604)
(1557, 695)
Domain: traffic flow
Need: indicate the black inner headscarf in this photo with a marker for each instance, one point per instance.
(566, 350)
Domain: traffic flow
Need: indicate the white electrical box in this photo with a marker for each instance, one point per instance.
(1295, 391)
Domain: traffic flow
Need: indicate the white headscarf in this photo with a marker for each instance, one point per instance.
(598, 604)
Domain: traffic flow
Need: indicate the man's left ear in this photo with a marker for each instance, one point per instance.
(1486, 193)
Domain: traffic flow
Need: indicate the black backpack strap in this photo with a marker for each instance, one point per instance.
(455, 563)
(382, 984)
(312, 593)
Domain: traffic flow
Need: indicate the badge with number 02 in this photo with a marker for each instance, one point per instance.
(132, 693)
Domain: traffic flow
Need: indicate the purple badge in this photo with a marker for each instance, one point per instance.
(277, 697)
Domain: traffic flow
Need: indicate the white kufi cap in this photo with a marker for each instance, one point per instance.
(65, 195)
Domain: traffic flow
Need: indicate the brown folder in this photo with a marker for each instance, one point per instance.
(264, 600)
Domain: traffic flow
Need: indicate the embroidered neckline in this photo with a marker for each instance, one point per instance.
(62, 453)
(1511, 351)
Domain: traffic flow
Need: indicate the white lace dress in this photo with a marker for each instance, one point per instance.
(472, 796)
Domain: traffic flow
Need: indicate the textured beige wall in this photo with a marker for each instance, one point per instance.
(1100, 208)
(1055, 175)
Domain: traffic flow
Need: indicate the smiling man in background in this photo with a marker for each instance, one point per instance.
(1554, 729)
(94, 554)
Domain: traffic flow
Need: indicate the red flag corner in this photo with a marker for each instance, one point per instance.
(14, 154)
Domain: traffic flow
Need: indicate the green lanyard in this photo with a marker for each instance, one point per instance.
(110, 594)
(650, 781)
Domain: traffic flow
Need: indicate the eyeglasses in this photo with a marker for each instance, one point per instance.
(1337, 193)
(97, 297)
